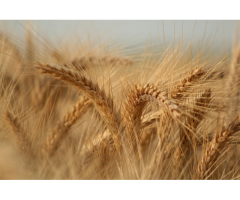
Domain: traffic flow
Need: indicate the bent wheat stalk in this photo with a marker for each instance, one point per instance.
(214, 148)
(103, 103)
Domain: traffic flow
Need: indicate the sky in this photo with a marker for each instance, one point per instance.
(132, 31)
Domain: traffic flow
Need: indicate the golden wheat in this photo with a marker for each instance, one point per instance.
(150, 116)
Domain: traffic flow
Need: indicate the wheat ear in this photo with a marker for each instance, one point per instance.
(135, 104)
(103, 103)
(214, 148)
(62, 128)
(20, 135)
(185, 83)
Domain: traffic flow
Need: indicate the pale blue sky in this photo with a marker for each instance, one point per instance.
(127, 30)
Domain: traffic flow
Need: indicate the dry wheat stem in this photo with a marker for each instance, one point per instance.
(214, 148)
(103, 103)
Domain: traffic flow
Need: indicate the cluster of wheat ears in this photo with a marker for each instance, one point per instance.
(164, 114)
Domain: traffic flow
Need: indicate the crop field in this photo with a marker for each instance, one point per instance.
(89, 110)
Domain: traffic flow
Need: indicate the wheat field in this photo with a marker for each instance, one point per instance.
(90, 114)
